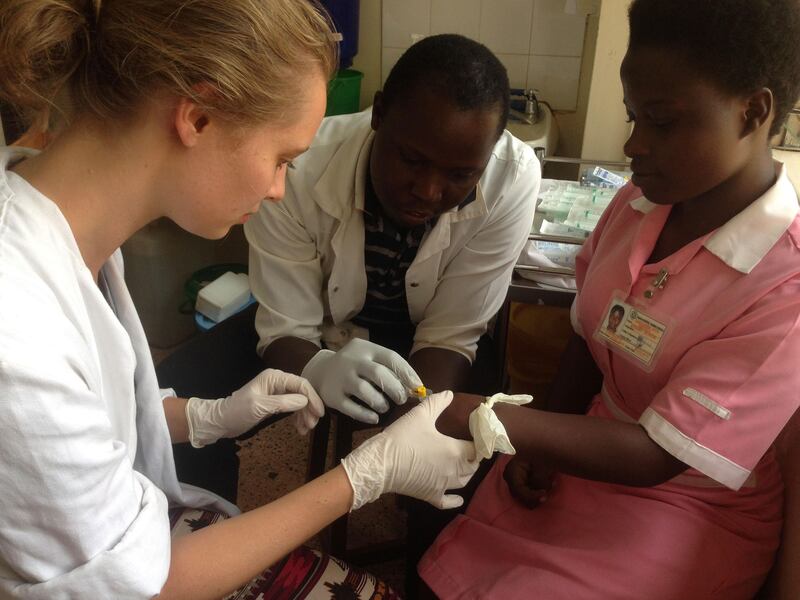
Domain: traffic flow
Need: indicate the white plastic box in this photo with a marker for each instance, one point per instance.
(224, 296)
(159, 259)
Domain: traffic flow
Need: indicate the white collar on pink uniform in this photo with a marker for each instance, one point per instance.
(743, 241)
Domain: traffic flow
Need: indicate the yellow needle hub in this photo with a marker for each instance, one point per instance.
(421, 392)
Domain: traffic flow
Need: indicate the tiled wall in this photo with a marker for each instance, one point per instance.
(539, 41)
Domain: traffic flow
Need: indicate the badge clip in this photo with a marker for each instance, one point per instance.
(658, 284)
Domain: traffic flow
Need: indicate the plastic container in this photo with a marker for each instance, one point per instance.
(344, 92)
(203, 277)
(537, 336)
(159, 259)
(198, 281)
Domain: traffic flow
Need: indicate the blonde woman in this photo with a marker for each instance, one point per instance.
(191, 111)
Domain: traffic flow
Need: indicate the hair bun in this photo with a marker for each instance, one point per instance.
(113, 55)
(41, 45)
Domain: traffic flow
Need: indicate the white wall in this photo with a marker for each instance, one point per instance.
(605, 131)
(368, 59)
(540, 42)
(597, 128)
(570, 123)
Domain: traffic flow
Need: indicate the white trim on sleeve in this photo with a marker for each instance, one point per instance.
(470, 356)
(682, 447)
(573, 317)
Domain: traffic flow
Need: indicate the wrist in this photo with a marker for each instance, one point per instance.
(366, 471)
(310, 369)
(340, 474)
(177, 420)
(486, 428)
(454, 421)
(200, 422)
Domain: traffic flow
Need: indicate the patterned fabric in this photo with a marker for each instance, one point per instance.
(305, 574)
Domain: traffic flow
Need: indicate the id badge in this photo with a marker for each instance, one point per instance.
(632, 332)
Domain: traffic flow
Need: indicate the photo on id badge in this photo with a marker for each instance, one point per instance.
(631, 332)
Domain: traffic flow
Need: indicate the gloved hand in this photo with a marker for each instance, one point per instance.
(411, 457)
(363, 370)
(268, 393)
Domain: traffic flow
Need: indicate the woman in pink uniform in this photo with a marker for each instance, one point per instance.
(652, 473)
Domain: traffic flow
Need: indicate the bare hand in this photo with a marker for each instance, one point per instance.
(528, 482)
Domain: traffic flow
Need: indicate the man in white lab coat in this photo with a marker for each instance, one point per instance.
(400, 225)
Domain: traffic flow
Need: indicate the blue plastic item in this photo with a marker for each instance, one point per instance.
(345, 17)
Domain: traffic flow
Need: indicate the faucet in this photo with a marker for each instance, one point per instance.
(532, 111)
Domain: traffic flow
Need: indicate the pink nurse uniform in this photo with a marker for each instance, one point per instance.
(722, 384)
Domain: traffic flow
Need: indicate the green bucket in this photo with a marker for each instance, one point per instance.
(344, 92)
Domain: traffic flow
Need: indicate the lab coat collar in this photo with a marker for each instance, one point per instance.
(474, 209)
(10, 155)
(334, 184)
(744, 240)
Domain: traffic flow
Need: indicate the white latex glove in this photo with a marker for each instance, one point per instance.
(363, 370)
(411, 457)
(268, 393)
(487, 431)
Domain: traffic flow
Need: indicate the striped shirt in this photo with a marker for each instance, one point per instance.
(389, 251)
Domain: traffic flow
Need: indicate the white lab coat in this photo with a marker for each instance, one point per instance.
(307, 252)
(86, 473)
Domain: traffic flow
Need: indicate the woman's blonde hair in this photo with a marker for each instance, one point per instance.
(245, 59)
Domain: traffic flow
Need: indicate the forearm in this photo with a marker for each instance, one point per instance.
(579, 445)
(178, 425)
(577, 380)
(441, 369)
(289, 354)
(589, 447)
(244, 546)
